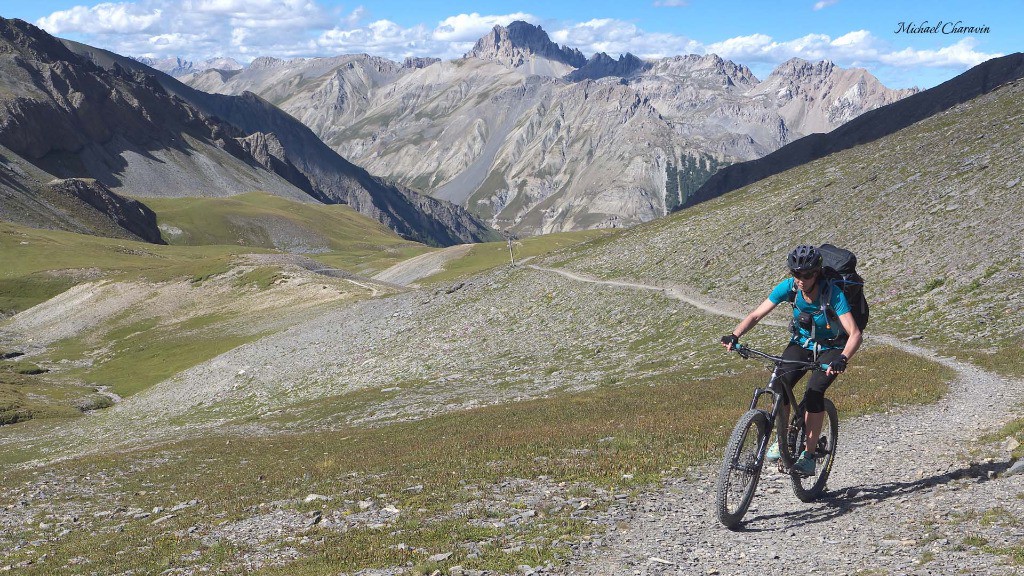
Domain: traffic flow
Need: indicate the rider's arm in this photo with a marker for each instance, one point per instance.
(853, 342)
(754, 317)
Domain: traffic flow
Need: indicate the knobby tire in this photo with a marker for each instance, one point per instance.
(809, 488)
(739, 476)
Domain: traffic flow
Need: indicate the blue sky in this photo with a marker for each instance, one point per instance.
(761, 34)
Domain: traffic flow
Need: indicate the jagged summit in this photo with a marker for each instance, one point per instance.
(796, 84)
(514, 45)
(800, 67)
(602, 65)
(177, 66)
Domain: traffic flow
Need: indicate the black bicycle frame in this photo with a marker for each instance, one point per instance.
(773, 389)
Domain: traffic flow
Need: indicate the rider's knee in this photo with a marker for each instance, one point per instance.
(814, 401)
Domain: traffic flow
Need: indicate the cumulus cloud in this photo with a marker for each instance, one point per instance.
(615, 37)
(379, 38)
(244, 29)
(961, 55)
(470, 27)
(857, 48)
(104, 18)
(671, 3)
(822, 4)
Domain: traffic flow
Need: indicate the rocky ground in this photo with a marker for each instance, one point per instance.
(912, 491)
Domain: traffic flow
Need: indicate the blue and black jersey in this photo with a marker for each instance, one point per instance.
(826, 330)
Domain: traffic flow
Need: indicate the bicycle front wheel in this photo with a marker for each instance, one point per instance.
(741, 470)
(809, 488)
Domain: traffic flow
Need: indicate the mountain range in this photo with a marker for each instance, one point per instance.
(70, 111)
(536, 138)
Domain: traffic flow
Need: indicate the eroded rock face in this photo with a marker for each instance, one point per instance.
(820, 96)
(512, 46)
(603, 65)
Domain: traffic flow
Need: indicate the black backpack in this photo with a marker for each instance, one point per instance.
(839, 267)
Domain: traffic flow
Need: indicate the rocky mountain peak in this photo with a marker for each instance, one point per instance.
(177, 66)
(266, 62)
(800, 68)
(706, 66)
(602, 65)
(513, 45)
(418, 62)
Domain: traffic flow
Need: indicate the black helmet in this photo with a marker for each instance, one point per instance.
(803, 258)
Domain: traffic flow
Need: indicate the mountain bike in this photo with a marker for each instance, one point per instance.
(745, 451)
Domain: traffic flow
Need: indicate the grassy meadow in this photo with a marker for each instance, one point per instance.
(334, 234)
(443, 475)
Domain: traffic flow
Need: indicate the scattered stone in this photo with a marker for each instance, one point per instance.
(1017, 468)
(314, 498)
(183, 505)
(413, 489)
(440, 557)
(315, 518)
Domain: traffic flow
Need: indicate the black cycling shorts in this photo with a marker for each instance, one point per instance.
(791, 374)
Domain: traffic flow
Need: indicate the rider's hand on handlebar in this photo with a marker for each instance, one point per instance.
(838, 366)
(730, 341)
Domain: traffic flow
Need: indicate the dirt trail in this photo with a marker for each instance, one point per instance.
(407, 272)
(905, 496)
(677, 291)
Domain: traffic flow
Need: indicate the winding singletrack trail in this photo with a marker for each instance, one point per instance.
(905, 496)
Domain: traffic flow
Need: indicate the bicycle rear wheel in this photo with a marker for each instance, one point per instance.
(740, 470)
(808, 488)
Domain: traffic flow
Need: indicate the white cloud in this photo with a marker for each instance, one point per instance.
(244, 29)
(857, 48)
(961, 55)
(379, 38)
(671, 3)
(471, 27)
(822, 4)
(103, 18)
(615, 37)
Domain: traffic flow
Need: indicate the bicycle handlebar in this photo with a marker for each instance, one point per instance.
(746, 352)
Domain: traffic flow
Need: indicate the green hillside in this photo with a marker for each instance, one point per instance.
(333, 233)
(932, 212)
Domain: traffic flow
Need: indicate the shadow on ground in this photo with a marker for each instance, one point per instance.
(839, 503)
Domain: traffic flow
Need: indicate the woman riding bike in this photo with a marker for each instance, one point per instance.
(823, 332)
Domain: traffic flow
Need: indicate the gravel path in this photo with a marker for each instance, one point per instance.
(911, 493)
(677, 291)
(408, 271)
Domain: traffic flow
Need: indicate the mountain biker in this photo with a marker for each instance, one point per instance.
(816, 338)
